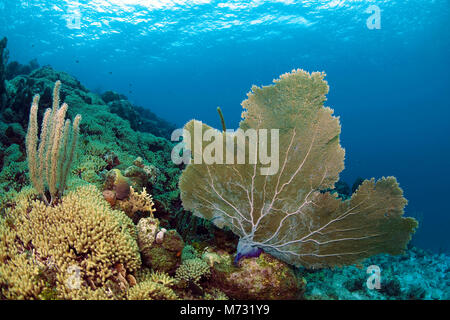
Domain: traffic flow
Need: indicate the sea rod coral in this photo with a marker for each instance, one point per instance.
(51, 162)
(289, 214)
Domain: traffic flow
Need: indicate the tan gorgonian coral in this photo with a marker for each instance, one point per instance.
(42, 247)
(288, 214)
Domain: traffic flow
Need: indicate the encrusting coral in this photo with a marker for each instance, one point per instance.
(116, 182)
(149, 290)
(137, 202)
(106, 141)
(153, 286)
(288, 214)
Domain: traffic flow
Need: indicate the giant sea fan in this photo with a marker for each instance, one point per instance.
(288, 214)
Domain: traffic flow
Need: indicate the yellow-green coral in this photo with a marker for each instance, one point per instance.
(191, 271)
(50, 162)
(88, 167)
(264, 277)
(118, 183)
(189, 252)
(211, 258)
(215, 294)
(137, 202)
(43, 244)
(162, 278)
(152, 286)
(10, 198)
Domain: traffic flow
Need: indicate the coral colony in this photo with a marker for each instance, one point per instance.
(57, 142)
(92, 209)
(286, 214)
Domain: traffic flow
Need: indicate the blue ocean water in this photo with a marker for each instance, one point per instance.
(389, 83)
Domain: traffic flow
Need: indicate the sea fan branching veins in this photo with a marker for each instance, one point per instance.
(290, 214)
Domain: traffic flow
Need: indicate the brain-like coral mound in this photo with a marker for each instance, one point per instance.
(73, 250)
(262, 278)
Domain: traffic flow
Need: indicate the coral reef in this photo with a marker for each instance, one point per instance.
(136, 205)
(117, 229)
(191, 271)
(51, 162)
(3, 60)
(418, 274)
(264, 277)
(288, 214)
(159, 253)
(141, 175)
(42, 246)
(106, 141)
(14, 69)
(118, 184)
(140, 119)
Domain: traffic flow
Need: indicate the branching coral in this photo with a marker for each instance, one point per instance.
(288, 214)
(159, 253)
(153, 286)
(137, 202)
(42, 246)
(162, 278)
(50, 163)
(191, 271)
(149, 290)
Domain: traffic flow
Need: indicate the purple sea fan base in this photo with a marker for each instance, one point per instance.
(246, 250)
